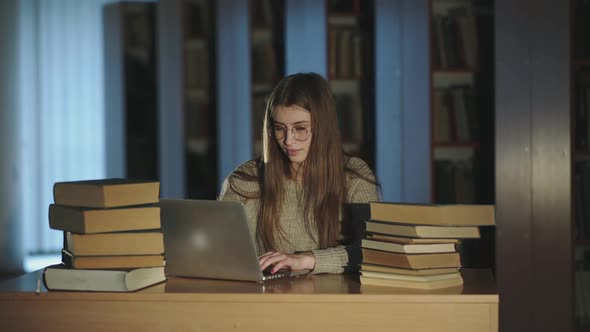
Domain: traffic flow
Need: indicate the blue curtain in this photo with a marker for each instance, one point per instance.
(61, 107)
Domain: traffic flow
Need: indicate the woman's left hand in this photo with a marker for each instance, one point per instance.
(279, 261)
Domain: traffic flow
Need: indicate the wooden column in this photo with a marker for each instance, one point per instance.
(533, 170)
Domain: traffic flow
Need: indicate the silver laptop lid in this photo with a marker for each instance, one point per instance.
(208, 239)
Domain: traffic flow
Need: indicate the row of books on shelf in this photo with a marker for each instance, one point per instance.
(112, 235)
(454, 116)
(137, 26)
(454, 41)
(264, 64)
(263, 13)
(454, 181)
(196, 60)
(350, 117)
(416, 246)
(345, 52)
(199, 15)
(197, 118)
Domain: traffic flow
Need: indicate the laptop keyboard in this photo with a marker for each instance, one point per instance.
(280, 274)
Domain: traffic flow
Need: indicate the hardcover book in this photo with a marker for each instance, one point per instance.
(59, 277)
(436, 284)
(93, 220)
(106, 193)
(420, 231)
(408, 248)
(411, 261)
(414, 272)
(432, 214)
(123, 243)
(111, 262)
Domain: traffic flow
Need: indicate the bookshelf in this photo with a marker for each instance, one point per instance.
(200, 121)
(580, 103)
(131, 92)
(462, 114)
(267, 57)
(350, 68)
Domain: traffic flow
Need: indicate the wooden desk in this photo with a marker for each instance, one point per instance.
(316, 303)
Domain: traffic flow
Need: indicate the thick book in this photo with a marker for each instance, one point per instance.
(420, 231)
(113, 244)
(417, 278)
(407, 248)
(401, 239)
(411, 261)
(436, 284)
(93, 220)
(106, 193)
(59, 277)
(413, 272)
(111, 262)
(432, 214)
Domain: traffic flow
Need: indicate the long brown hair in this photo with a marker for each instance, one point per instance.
(323, 173)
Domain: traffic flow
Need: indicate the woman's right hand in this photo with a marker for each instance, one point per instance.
(278, 261)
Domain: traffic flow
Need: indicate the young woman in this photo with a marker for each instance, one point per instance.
(294, 194)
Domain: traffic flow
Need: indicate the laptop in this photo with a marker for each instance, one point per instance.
(211, 239)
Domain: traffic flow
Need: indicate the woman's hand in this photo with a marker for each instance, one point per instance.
(278, 260)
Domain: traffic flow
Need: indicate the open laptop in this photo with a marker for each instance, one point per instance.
(211, 239)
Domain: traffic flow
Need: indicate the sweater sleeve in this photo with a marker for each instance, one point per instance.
(227, 194)
(330, 260)
(336, 259)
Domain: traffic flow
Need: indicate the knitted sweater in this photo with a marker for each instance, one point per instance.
(297, 239)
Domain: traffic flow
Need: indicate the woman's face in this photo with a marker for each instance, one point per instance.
(292, 130)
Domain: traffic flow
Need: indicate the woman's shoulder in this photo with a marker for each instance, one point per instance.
(362, 183)
(247, 169)
(356, 165)
(242, 183)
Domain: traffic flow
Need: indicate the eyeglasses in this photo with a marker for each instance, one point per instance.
(300, 133)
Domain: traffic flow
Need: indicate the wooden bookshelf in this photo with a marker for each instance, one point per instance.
(454, 121)
(200, 123)
(131, 93)
(350, 67)
(461, 99)
(267, 59)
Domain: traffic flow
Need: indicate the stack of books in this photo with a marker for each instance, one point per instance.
(112, 231)
(416, 245)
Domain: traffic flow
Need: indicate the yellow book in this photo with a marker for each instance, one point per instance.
(94, 220)
(408, 248)
(433, 214)
(421, 231)
(401, 239)
(58, 277)
(416, 272)
(424, 278)
(437, 284)
(105, 193)
(411, 261)
(111, 262)
(124, 243)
